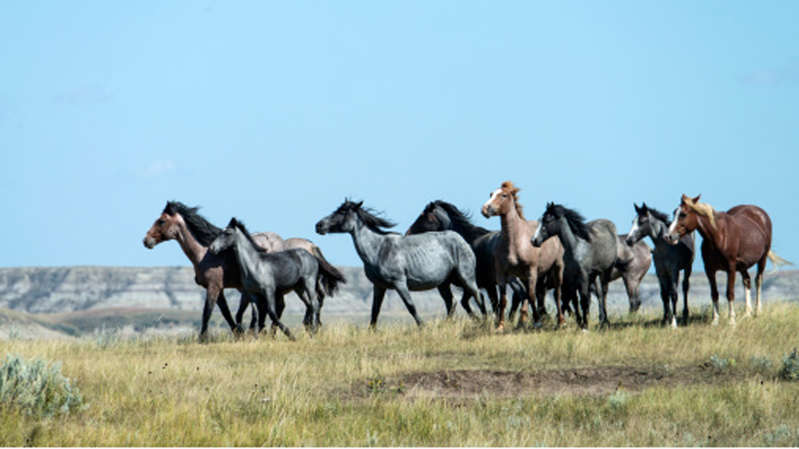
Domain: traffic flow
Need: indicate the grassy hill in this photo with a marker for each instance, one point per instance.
(450, 383)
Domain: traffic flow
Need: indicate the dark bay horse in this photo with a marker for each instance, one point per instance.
(669, 259)
(443, 216)
(731, 241)
(406, 263)
(516, 256)
(268, 276)
(590, 255)
(216, 272)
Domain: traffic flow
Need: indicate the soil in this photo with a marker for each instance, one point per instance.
(599, 380)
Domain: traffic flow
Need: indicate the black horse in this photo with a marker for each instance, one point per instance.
(590, 255)
(669, 259)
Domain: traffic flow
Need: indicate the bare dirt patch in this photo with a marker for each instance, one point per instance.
(581, 381)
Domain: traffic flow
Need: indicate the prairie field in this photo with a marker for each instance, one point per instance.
(450, 383)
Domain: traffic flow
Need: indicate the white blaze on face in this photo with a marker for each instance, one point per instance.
(537, 230)
(634, 230)
(673, 225)
(491, 199)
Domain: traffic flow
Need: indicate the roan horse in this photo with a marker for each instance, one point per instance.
(216, 272)
(669, 259)
(515, 256)
(632, 263)
(268, 276)
(590, 255)
(731, 241)
(442, 216)
(406, 263)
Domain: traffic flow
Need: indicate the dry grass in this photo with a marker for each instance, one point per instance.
(451, 383)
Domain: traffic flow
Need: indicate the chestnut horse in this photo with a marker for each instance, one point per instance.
(216, 272)
(516, 256)
(731, 241)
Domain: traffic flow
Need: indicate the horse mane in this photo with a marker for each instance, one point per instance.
(574, 218)
(458, 218)
(238, 224)
(370, 217)
(513, 190)
(658, 215)
(703, 209)
(200, 228)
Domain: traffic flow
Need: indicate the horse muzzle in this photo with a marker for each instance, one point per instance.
(487, 211)
(321, 229)
(149, 242)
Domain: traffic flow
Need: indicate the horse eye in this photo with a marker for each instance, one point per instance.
(160, 222)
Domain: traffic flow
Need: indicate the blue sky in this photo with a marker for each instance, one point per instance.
(273, 112)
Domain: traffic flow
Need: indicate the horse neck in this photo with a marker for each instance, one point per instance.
(193, 249)
(513, 226)
(468, 231)
(367, 243)
(713, 234)
(567, 238)
(246, 253)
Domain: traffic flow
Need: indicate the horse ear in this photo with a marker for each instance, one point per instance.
(643, 207)
(359, 204)
(637, 209)
(696, 200)
(685, 199)
(232, 222)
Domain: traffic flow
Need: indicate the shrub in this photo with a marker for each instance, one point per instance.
(790, 366)
(36, 387)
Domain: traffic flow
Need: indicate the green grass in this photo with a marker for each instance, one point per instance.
(451, 383)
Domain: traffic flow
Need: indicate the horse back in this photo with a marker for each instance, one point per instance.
(603, 243)
(286, 267)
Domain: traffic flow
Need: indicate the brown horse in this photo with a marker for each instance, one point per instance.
(216, 272)
(516, 256)
(731, 241)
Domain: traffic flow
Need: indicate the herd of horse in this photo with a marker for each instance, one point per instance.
(561, 252)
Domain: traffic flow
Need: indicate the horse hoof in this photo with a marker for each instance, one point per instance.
(537, 325)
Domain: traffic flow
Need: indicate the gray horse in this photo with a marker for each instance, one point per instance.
(442, 216)
(669, 259)
(632, 263)
(590, 255)
(268, 276)
(406, 263)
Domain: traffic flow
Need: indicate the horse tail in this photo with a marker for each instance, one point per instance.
(777, 260)
(329, 276)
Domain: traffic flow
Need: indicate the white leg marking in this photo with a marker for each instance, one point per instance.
(732, 312)
(758, 308)
(715, 314)
(748, 293)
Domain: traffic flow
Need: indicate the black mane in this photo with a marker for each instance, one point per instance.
(574, 218)
(200, 228)
(460, 220)
(659, 215)
(238, 224)
(370, 217)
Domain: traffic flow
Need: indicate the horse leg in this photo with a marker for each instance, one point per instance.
(446, 293)
(269, 305)
(686, 284)
(532, 279)
(761, 266)
(601, 288)
(731, 292)
(747, 281)
(585, 303)
(211, 294)
(280, 305)
(714, 294)
(243, 303)
(674, 298)
(403, 292)
(665, 285)
(378, 293)
(605, 282)
(631, 293)
(313, 303)
(558, 295)
(222, 303)
(503, 302)
(540, 297)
